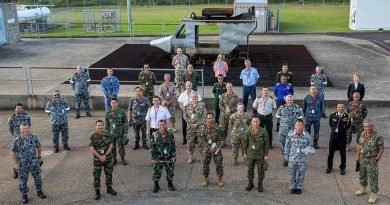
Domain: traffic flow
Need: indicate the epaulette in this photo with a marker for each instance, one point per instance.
(289, 84)
(17, 138)
(277, 84)
(289, 72)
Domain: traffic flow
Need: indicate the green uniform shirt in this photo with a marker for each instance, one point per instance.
(218, 90)
(100, 143)
(370, 146)
(256, 145)
(211, 137)
(116, 122)
(288, 76)
(163, 149)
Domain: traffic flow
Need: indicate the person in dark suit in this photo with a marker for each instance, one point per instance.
(356, 86)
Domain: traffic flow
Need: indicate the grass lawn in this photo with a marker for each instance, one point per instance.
(149, 20)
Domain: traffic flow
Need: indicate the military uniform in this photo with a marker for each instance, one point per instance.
(288, 116)
(339, 124)
(194, 78)
(218, 90)
(194, 115)
(180, 64)
(320, 81)
(239, 125)
(80, 83)
(101, 145)
(256, 147)
(58, 111)
(297, 160)
(227, 103)
(357, 113)
(369, 147)
(166, 93)
(211, 137)
(138, 111)
(147, 81)
(117, 125)
(15, 120)
(25, 149)
(163, 149)
(313, 110)
(288, 75)
(110, 87)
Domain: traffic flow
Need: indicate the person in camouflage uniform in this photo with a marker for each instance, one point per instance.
(194, 115)
(239, 122)
(219, 88)
(179, 62)
(297, 140)
(168, 96)
(80, 83)
(58, 108)
(313, 110)
(370, 150)
(147, 79)
(117, 125)
(228, 105)
(288, 115)
(26, 157)
(256, 153)
(319, 80)
(110, 88)
(163, 152)
(191, 76)
(210, 144)
(138, 107)
(100, 145)
(14, 122)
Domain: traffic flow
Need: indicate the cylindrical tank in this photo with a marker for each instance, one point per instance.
(33, 14)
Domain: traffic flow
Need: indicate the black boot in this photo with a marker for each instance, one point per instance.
(24, 199)
(16, 174)
(56, 149)
(97, 194)
(41, 195)
(89, 115)
(145, 145)
(136, 145)
(260, 185)
(114, 161)
(156, 187)
(357, 166)
(315, 144)
(111, 191)
(66, 147)
(170, 186)
(250, 186)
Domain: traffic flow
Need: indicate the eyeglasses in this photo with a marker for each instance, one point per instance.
(55, 95)
(220, 78)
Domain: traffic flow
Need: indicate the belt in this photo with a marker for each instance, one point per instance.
(249, 85)
(265, 115)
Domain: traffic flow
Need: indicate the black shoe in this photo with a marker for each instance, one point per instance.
(89, 115)
(41, 195)
(97, 194)
(315, 145)
(298, 191)
(328, 170)
(16, 174)
(170, 186)
(156, 187)
(277, 129)
(184, 142)
(56, 149)
(136, 146)
(285, 163)
(114, 161)
(292, 191)
(24, 199)
(145, 145)
(260, 187)
(357, 166)
(111, 191)
(249, 187)
(342, 172)
(66, 147)
(77, 116)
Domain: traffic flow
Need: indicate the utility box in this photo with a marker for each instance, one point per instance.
(369, 15)
(261, 13)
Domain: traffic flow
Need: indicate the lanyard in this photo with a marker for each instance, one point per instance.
(155, 113)
(264, 102)
(248, 74)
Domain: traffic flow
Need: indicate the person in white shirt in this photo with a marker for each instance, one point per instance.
(156, 113)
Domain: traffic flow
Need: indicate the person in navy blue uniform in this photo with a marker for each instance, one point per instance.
(281, 90)
(313, 110)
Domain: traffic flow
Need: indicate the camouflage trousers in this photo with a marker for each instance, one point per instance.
(85, 98)
(172, 109)
(118, 139)
(148, 94)
(262, 166)
(282, 140)
(293, 168)
(354, 129)
(316, 124)
(369, 173)
(218, 159)
(137, 129)
(192, 139)
(224, 126)
(157, 169)
(217, 110)
(178, 77)
(237, 142)
(24, 171)
(97, 172)
(56, 129)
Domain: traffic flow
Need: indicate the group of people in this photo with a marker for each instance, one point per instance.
(153, 116)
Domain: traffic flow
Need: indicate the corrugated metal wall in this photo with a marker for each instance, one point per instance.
(261, 14)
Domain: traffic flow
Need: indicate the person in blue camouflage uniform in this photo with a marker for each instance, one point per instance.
(26, 157)
(288, 115)
(313, 110)
(110, 88)
(210, 142)
(319, 80)
(117, 125)
(100, 145)
(80, 83)
(163, 152)
(138, 107)
(297, 141)
(370, 150)
(14, 122)
(58, 108)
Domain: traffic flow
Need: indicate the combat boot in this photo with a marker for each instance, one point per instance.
(156, 187)
(234, 162)
(114, 161)
(315, 144)
(372, 199)
(250, 186)
(97, 194)
(77, 116)
(170, 186)
(89, 115)
(41, 195)
(260, 185)
(220, 182)
(205, 182)
(190, 159)
(174, 128)
(360, 191)
(56, 149)
(111, 191)
(357, 166)
(136, 145)
(123, 161)
(24, 199)
(66, 147)
(16, 174)
(145, 145)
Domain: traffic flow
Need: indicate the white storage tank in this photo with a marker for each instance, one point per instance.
(369, 15)
(241, 6)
